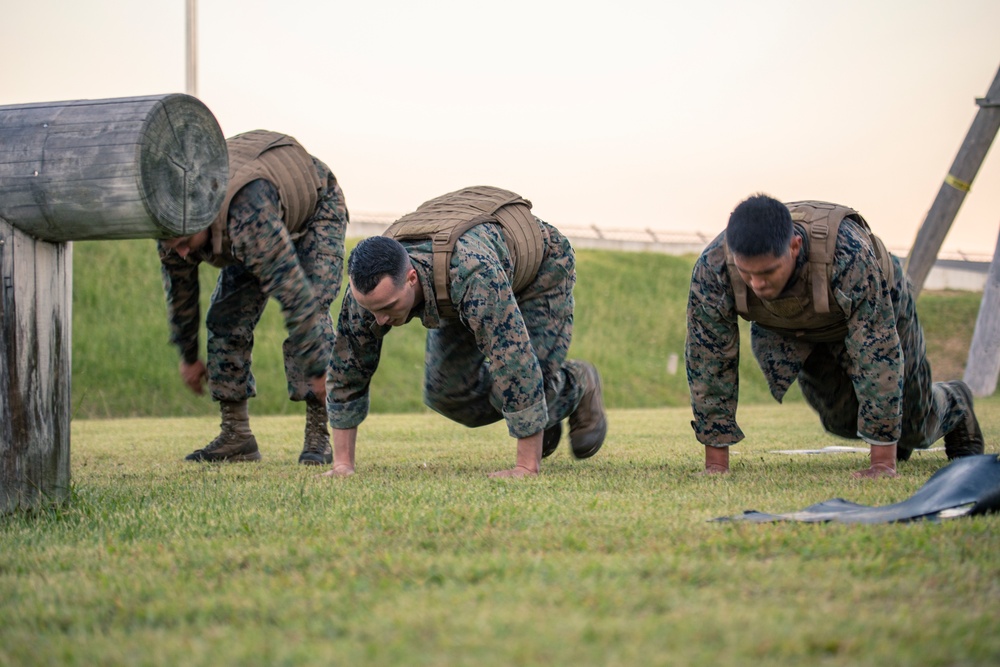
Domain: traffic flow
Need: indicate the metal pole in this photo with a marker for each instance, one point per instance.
(958, 182)
(191, 51)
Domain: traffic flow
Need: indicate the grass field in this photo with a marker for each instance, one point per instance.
(420, 559)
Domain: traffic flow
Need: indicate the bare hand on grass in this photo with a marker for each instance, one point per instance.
(515, 472)
(877, 471)
(339, 470)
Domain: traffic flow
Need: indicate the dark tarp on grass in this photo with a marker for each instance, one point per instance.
(965, 487)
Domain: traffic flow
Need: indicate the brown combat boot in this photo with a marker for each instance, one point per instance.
(965, 439)
(550, 440)
(316, 449)
(588, 424)
(235, 442)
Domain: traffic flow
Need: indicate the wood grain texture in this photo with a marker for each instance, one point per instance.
(35, 330)
(140, 167)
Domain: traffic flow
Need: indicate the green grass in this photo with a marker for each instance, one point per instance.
(420, 559)
(630, 319)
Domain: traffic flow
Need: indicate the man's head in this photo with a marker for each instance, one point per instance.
(383, 281)
(185, 245)
(765, 249)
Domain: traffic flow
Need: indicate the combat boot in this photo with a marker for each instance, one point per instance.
(550, 440)
(588, 424)
(316, 449)
(235, 442)
(965, 439)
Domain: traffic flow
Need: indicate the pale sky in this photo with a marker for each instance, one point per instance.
(626, 114)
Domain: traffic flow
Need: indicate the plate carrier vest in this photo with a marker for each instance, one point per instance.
(804, 311)
(445, 218)
(279, 159)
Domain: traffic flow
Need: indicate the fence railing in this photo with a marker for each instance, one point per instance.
(621, 238)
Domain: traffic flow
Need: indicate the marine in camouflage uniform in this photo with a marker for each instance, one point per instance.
(261, 258)
(501, 356)
(874, 383)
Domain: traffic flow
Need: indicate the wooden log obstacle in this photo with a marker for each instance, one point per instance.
(139, 167)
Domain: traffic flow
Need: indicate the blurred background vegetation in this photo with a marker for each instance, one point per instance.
(630, 322)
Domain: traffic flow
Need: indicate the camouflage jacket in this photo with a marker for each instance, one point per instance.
(872, 343)
(260, 242)
(486, 305)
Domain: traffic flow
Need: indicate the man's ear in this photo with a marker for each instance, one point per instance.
(795, 245)
(411, 277)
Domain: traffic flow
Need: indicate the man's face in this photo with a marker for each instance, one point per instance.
(767, 275)
(185, 245)
(389, 304)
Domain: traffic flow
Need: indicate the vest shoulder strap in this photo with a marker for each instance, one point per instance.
(822, 223)
(738, 284)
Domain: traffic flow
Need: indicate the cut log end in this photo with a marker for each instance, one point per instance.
(183, 165)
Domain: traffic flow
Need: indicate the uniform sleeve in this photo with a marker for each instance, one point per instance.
(262, 244)
(872, 341)
(712, 354)
(329, 225)
(356, 352)
(487, 306)
(180, 285)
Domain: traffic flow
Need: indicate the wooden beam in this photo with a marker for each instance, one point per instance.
(956, 184)
(139, 167)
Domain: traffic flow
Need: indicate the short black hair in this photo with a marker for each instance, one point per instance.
(375, 258)
(759, 225)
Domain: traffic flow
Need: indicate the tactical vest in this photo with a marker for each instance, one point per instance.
(804, 310)
(279, 159)
(445, 218)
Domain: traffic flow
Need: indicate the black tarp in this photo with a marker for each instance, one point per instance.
(966, 486)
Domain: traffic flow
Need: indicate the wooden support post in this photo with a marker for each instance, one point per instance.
(141, 167)
(956, 184)
(983, 366)
(35, 323)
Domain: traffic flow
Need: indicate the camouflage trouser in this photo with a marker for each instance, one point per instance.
(929, 410)
(238, 300)
(457, 382)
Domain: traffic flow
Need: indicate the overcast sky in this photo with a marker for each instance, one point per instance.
(624, 114)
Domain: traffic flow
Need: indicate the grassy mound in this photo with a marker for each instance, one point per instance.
(630, 321)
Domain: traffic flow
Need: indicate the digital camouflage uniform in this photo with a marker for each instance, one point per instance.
(875, 384)
(502, 357)
(303, 274)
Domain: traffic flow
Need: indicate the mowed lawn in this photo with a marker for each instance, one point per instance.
(420, 559)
